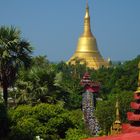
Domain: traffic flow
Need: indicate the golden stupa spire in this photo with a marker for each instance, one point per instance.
(117, 112)
(87, 10)
(87, 30)
(116, 128)
(139, 77)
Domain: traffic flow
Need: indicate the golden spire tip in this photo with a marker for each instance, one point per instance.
(86, 3)
(87, 10)
(117, 111)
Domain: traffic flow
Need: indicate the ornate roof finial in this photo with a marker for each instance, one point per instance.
(116, 128)
(87, 30)
(86, 3)
(139, 77)
(87, 10)
(117, 111)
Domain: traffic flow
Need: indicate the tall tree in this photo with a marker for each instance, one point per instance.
(14, 52)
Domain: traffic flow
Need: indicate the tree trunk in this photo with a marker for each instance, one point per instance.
(5, 94)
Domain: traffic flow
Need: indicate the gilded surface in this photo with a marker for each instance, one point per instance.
(87, 50)
(117, 126)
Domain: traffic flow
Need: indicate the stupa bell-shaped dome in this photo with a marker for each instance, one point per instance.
(87, 50)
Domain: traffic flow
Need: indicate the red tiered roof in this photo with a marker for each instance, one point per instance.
(135, 105)
(126, 136)
(128, 133)
(88, 84)
(136, 95)
(128, 128)
(133, 117)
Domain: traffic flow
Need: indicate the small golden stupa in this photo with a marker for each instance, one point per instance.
(117, 125)
(87, 50)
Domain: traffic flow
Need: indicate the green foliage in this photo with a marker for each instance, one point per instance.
(36, 83)
(69, 82)
(58, 86)
(24, 129)
(19, 112)
(105, 110)
(122, 77)
(46, 82)
(46, 120)
(76, 134)
(14, 53)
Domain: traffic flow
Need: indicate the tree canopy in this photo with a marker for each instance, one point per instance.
(46, 98)
(14, 52)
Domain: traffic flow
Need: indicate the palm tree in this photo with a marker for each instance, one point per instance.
(14, 53)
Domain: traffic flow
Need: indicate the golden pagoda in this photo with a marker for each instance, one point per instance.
(117, 125)
(87, 50)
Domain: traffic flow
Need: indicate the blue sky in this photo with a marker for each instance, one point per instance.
(54, 26)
